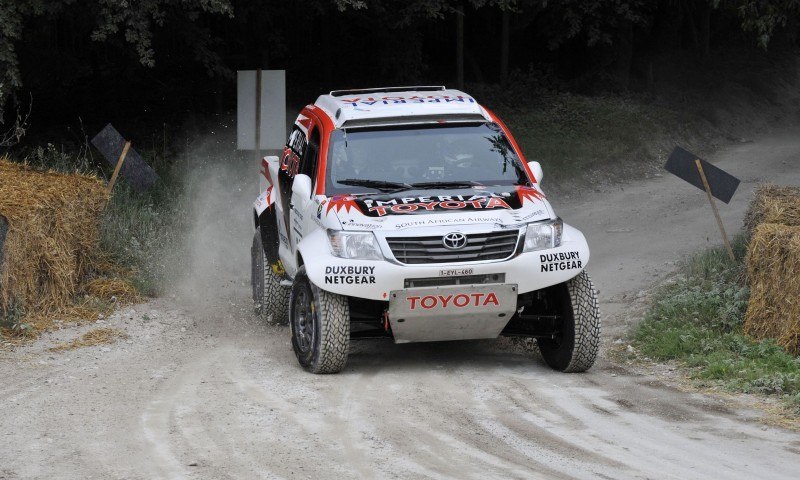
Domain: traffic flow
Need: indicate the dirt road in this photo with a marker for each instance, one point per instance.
(203, 390)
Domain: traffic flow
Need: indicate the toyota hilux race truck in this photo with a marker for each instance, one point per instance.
(411, 213)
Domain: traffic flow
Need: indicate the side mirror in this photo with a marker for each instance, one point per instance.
(536, 169)
(302, 186)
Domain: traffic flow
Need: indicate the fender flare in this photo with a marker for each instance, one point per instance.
(265, 219)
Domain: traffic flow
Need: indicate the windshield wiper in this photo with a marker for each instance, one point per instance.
(381, 185)
(463, 184)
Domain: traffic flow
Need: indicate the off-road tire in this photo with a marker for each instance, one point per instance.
(269, 296)
(325, 349)
(576, 348)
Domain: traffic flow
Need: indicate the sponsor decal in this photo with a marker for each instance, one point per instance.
(298, 214)
(319, 210)
(432, 203)
(444, 221)
(398, 100)
(529, 194)
(556, 262)
(460, 300)
(269, 196)
(290, 163)
(283, 238)
(368, 226)
(342, 202)
(530, 215)
(349, 275)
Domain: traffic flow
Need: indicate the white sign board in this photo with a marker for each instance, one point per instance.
(273, 109)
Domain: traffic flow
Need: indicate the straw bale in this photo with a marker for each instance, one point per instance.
(773, 269)
(773, 204)
(52, 239)
(97, 336)
(113, 288)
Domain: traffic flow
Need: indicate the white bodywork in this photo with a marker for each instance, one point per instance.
(311, 216)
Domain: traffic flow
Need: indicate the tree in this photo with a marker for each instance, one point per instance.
(763, 17)
(134, 21)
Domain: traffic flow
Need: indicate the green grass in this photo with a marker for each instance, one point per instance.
(697, 322)
(576, 136)
(573, 134)
(146, 232)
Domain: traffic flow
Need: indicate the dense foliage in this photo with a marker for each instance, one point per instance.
(172, 52)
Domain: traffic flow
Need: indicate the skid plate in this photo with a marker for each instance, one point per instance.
(459, 312)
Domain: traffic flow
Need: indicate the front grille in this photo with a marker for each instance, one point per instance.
(480, 247)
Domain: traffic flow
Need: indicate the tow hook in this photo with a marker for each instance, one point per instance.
(386, 326)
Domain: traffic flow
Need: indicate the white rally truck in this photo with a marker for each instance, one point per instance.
(411, 213)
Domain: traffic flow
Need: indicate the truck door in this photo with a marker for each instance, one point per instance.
(303, 209)
(290, 165)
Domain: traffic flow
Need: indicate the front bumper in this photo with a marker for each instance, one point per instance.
(376, 279)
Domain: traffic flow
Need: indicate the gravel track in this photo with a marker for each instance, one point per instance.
(204, 390)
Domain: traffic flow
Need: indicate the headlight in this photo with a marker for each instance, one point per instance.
(543, 235)
(355, 245)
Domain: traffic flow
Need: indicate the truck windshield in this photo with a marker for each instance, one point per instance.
(441, 156)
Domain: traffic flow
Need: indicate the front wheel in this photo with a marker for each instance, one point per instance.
(575, 348)
(320, 323)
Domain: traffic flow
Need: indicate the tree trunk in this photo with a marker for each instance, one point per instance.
(504, 46)
(705, 28)
(460, 47)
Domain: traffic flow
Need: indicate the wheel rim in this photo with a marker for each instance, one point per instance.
(303, 321)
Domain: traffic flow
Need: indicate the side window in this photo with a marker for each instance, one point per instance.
(295, 148)
(308, 164)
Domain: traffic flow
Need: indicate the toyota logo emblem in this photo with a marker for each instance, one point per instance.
(454, 241)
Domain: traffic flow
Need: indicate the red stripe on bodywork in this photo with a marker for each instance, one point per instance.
(326, 124)
(514, 143)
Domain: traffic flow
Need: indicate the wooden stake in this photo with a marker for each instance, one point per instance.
(118, 167)
(714, 207)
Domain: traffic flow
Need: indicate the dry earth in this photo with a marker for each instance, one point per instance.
(201, 389)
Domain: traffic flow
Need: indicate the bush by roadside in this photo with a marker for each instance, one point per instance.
(134, 234)
(697, 320)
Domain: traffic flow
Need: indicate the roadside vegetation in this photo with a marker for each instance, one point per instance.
(575, 136)
(696, 321)
(139, 233)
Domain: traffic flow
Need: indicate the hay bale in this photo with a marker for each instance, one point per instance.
(52, 235)
(773, 204)
(3, 231)
(98, 336)
(113, 289)
(773, 269)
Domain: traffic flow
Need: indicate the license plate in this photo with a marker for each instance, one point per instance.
(456, 272)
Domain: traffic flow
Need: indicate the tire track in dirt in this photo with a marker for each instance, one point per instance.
(211, 386)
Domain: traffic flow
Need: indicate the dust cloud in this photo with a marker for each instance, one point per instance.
(221, 184)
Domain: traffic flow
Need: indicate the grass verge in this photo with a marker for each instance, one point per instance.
(697, 322)
(598, 139)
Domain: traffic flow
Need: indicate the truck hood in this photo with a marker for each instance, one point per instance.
(503, 205)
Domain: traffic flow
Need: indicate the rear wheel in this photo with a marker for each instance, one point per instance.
(575, 348)
(269, 296)
(320, 324)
